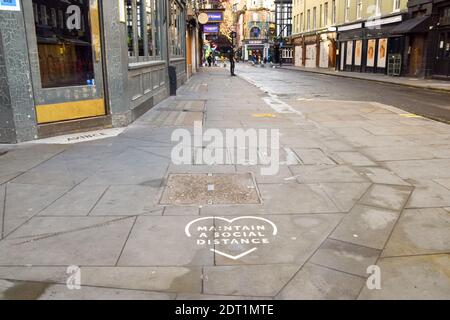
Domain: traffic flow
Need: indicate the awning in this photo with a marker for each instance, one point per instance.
(417, 24)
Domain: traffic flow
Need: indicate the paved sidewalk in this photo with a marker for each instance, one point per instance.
(405, 81)
(359, 184)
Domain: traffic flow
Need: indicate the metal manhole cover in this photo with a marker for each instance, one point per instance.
(210, 189)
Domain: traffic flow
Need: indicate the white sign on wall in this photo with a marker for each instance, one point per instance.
(10, 5)
(122, 17)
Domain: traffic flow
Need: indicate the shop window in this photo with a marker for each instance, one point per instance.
(359, 5)
(333, 12)
(153, 28)
(64, 43)
(377, 7)
(130, 27)
(308, 20)
(396, 6)
(347, 11)
(143, 30)
(176, 29)
(314, 18)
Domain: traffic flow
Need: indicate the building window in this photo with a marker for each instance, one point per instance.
(301, 21)
(143, 29)
(64, 48)
(358, 9)
(320, 17)
(396, 5)
(347, 10)
(325, 13)
(333, 12)
(176, 29)
(308, 20)
(255, 32)
(130, 27)
(314, 18)
(377, 7)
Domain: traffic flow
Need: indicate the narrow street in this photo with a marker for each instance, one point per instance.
(359, 184)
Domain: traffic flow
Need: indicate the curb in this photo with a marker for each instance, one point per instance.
(337, 74)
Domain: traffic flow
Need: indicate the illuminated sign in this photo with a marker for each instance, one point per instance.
(215, 16)
(210, 28)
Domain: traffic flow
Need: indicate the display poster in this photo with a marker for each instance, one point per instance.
(370, 53)
(382, 52)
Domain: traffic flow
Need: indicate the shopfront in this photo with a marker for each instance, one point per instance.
(441, 66)
(365, 47)
(81, 65)
(66, 59)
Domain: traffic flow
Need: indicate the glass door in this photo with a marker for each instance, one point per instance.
(66, 58)
(442, 62)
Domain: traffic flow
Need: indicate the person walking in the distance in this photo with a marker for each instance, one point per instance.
(232, 61)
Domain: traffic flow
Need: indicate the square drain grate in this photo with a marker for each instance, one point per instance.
(210, 189)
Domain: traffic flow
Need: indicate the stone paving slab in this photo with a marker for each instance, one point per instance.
(127, 200)
(161, 279)
(297, 239)
(354, 159)
(420, 231)
(53, 241)
(382, 176)
(366, 226)
(161, 241)
(309, 198)
(345, 257)
(43, 291)
(389, 197)
(317, 282)
(416, 277)
(428, 194)
(345, 195)
(26, 200)
(326, 173)
(264, 280)
(78, 201)
(421, 169)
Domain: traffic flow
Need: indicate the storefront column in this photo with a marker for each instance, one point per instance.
(17, 114)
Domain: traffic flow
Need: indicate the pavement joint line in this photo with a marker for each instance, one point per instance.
(337, 270)
(98, 200)
(35, 166)
(44, 236)
(416, 255)
(126, 241)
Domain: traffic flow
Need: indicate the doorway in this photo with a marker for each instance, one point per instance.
(442, 62)
(66, 59)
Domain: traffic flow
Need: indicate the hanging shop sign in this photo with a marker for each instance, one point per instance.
(211, 28)
(10, 5)
(203, 18)
(215, 16)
